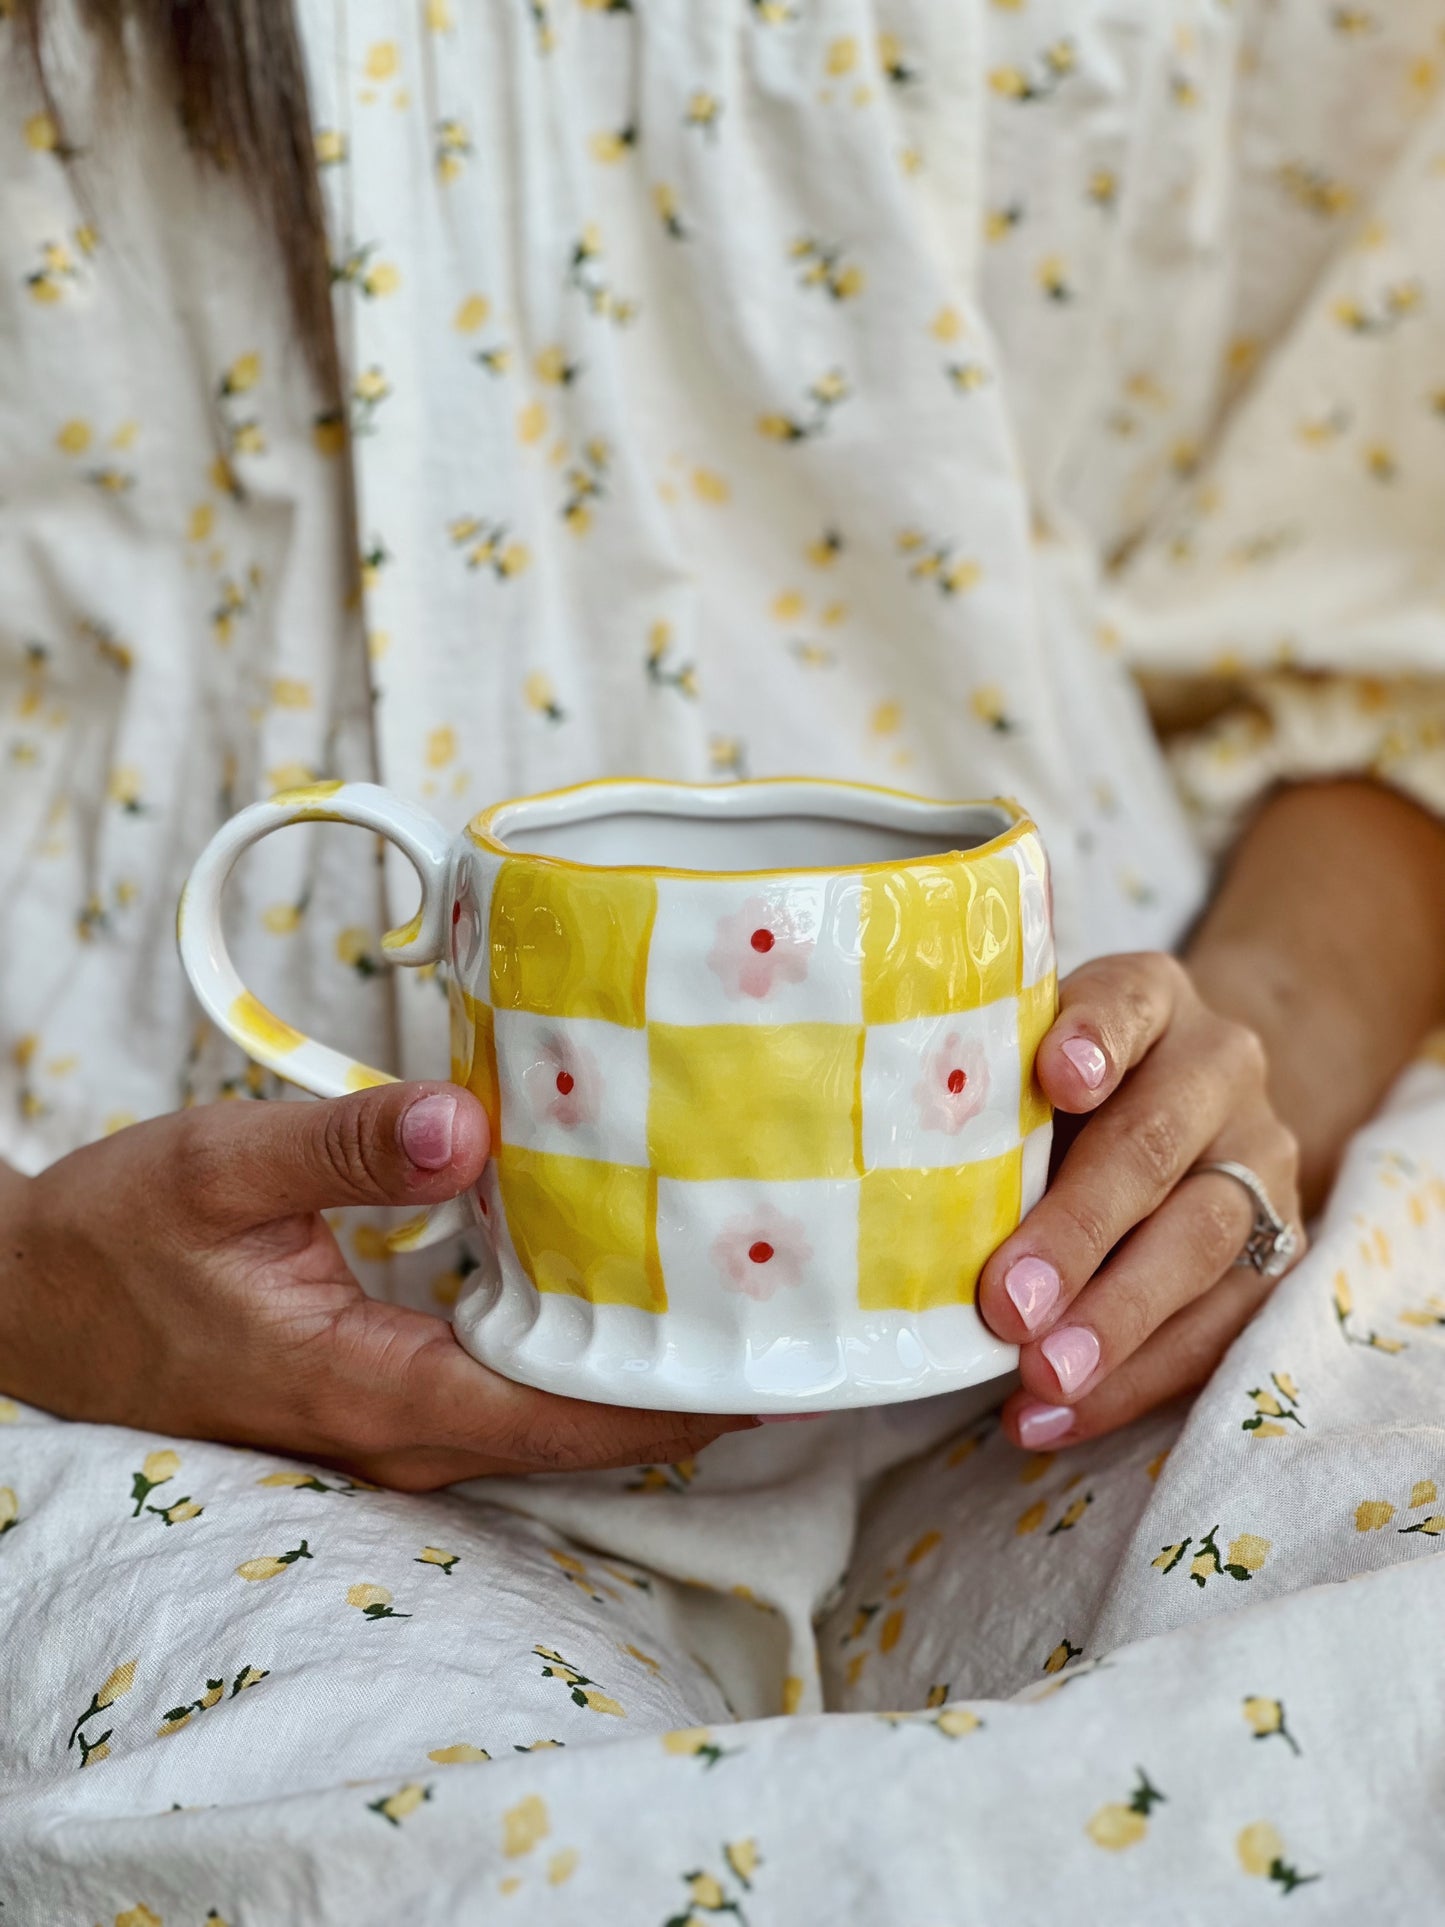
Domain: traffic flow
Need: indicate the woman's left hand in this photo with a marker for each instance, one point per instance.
(1120, 1285)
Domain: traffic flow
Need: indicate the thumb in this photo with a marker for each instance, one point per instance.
(394, 1144)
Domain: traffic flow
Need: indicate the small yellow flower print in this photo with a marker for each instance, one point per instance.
(329, 146)
(823, 266)
(1261, 1853)
(828, 392)
(369, 390)
(892, 62)
(660, 672)
(435, 1556)
(581, 1689)
(696, 1743)
(1274, 1406)
(308, 1482)
(140, 1916)
(383, 60)
(9, 1510)
(453, 149)
(704, 110)
(157, 1468)
(562, 1866)
(1072, 1514)
(460, 1755)
(242, 375)
(553, 367)
(709, 486)
(1344, 1304)
(398, 1807)
(1371, 1514)
(116, 1687)
(1315, 191)
(372, 1601)
(664, 202)
(540, 696)
(1061, 1656)
(613, 144)
(1030, 85)
(1103, 188)
(1121, 1825)
(473, 314)
(524, 1825)
(215, 1692)
(73, 437)
(1266, 1719)
(271, 1566)
(439, 16)
(1053, 278)
(1396, 302)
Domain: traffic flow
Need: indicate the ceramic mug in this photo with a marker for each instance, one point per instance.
(758, 1061)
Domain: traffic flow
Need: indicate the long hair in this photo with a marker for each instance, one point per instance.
(235, 73)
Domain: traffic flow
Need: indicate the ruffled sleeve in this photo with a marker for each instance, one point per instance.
(1300, 580)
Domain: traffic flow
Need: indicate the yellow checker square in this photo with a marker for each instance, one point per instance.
(474, 1057)
(940, 937)
(567, 942)
(924, 1236)
(584, 1228)
(1038, 1007)
(755, 1101)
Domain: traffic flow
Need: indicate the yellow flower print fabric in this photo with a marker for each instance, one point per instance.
(865, 390)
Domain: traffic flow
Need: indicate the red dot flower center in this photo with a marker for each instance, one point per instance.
(565, 1082)
(956, 1081)
(760, 1252)
(762, 940)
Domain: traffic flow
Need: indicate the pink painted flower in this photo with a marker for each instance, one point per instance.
(761, 1252)
(758, 947)
(954, 1085)
(563, 1083)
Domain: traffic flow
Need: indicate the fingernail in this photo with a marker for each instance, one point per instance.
(426, 1131)
(1043, 1424)
(1073, 1351)
(1033, 1285)
(788, 1418)
(1087, 1059)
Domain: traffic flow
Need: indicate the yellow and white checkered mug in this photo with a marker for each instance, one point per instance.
(758, 1060)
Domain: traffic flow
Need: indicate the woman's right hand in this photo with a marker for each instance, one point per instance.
(178, 1277)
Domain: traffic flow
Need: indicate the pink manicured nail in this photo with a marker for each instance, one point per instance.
(788, 1418)
(1033, 1285)
(426, 1131)
(1073, 1351)
(1043, 1424)
(1087, 1059)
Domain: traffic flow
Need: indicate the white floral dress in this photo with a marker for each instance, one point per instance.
(767, 386)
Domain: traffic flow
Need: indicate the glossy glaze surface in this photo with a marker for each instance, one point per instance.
(758, 1130)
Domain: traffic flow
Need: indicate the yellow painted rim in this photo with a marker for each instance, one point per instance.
(479, 831)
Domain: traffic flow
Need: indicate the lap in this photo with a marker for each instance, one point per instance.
(191, 1624)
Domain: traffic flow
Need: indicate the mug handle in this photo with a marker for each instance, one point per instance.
(300, 1059)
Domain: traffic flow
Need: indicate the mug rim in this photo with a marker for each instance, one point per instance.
(486, 829)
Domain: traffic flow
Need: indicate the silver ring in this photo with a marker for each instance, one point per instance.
(1272, 1244)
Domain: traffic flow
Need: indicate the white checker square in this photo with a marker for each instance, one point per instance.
(1034, 1178)
(760, 950)
(573, 1085)
(769, 1260)
(1034, 910)
(941, 1090)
